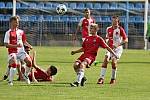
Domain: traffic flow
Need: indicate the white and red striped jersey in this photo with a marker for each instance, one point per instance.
(115, 36)
(15, 37)
(85, 24)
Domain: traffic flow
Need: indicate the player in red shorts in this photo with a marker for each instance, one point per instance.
(14, 40)
(84, 24)
(89, 48)
(39, 74)
(116, 38)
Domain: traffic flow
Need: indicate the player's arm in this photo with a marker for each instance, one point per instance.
(123, 42)
(77, 51)
(33, 77)
(111, 51)
(34, 60)
(27, 44)
(8, 45)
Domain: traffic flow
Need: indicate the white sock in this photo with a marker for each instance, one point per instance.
(11, 74)
(103, 71)
(27, 70)
(113, 75)
(80, 75)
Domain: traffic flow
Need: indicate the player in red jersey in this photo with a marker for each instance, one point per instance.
(90, 48)
(39, 74)
(85, 24)
(115, 37)
(14, 40)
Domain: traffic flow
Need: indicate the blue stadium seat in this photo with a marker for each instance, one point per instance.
(55, 18)
(89, 5)
(54, 5)
(40, 5)
(47, 18)
(9, 5)
(1, 17)
(113, 5)
(48, 5)
(72, 5)
(17, 5)
(131, 19)
(105, 19)
(24, 18)
(79, 18)
(98, 18)
(2, 5)
(139, 19)
(32, 5)
(96, 6)
(122, 5)
(131, 6)
(139, 6)
(80, 5)
(64, 18)
(122, 18)
(24, 6)
(105, 6)
(7, 17)
(32, 18)
(73, 18)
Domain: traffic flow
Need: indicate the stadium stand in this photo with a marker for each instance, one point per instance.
(44, 14)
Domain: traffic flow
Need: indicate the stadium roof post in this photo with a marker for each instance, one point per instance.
(14, 8)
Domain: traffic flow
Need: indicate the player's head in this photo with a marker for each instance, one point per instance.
(52, 70)
(87, 13)
(27, 49)
(94, 28)
(14, 21)
(115, 20)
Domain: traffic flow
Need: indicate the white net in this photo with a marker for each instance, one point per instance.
(44, 26)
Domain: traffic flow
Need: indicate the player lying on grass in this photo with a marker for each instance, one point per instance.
(37, 73)
(89, 48)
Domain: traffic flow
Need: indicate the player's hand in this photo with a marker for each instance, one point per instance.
(73, 52)
(19, 45)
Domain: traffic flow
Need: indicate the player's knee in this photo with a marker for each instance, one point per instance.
(13, 65)
(114, 65)
(83, 65)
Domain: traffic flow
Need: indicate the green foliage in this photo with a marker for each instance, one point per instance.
(133, 82)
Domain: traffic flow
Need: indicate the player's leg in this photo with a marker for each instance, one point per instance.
(13, 65)
(6, 73)
(114, 71)
(103, 69)
(26, 58)
(80, 73)
(118, 52)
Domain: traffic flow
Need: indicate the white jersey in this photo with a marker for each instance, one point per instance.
(15, 37)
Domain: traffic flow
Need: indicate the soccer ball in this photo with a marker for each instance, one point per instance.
(61, 9)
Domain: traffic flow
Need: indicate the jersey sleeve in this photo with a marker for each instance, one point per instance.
(23, 37)
(123, 33)
(6, 38)
(102, 43)
(80, 22)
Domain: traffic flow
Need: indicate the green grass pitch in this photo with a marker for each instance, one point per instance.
(133, 78)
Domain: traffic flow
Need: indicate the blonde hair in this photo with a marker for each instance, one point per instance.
(95, 26)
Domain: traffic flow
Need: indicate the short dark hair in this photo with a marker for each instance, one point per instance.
(53, 70)
(86, 9)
